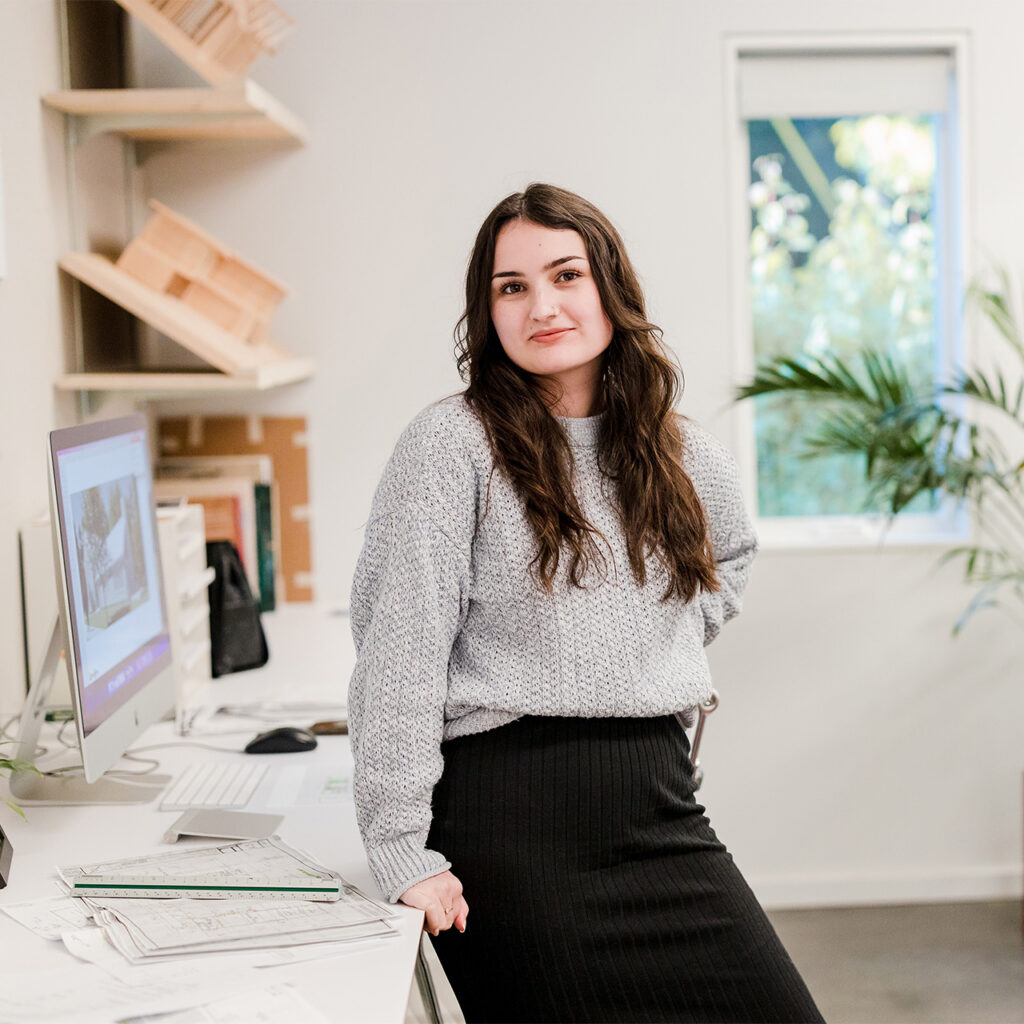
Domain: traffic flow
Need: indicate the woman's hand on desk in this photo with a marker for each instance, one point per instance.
(440, 898)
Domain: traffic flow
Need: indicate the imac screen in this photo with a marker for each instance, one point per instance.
(112, 568)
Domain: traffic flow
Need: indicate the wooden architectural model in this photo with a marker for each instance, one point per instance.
(219, 38)
(176, 257)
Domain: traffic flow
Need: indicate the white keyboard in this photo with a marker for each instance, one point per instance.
(220, 784)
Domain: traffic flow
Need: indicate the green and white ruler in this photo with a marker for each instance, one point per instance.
(204, 887)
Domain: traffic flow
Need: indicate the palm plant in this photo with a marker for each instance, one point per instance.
(916, 442)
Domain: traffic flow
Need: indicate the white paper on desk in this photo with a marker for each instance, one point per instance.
(84, 994)
(256, 952)
(91, 945)
(297, 786)
(180, 925)
(284, 956)
(242, 862)
(280, 1002)
(270, 943)
(50, 917)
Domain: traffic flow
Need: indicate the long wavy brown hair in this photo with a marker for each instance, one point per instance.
(641, 439)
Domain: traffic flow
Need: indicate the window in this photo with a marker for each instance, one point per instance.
(850, 238)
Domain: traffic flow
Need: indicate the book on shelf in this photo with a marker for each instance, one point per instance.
(265, 545)
(260, 470)
(229, 509)
(284, 441)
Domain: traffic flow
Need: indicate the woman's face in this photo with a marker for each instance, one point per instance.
(542, 284)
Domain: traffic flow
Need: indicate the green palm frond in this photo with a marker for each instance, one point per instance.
(982, 563)
(826, 375)
(996, 305)
(909, 448)
(891, 382)
(914, 442)
(994, 393)
(847, 431)
(980, 600)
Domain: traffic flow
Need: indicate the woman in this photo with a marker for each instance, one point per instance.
(547, 555)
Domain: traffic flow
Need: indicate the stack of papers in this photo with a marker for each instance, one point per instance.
(252, 896)
(152, 931)
(256, 869)
(132, 946)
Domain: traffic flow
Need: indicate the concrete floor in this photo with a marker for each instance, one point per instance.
(950, 963)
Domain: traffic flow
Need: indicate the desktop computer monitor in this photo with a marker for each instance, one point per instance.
(112, 621)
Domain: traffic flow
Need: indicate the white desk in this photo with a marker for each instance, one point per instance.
(310, 656)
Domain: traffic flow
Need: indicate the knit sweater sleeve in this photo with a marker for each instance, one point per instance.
(734, 543)
(407, 604)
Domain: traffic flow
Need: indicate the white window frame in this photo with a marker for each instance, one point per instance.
(949, 525)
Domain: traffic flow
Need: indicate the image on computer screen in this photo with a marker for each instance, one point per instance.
(112, 563)
(112, 568)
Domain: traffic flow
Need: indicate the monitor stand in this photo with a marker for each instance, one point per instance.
(32, 789)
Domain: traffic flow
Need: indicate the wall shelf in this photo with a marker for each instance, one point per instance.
(243, 365)
(171, 383)
(111, 314)
(240, 110)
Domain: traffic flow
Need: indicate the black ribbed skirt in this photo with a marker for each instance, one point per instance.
(597, 889)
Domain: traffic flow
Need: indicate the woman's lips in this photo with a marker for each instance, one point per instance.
(551, 337)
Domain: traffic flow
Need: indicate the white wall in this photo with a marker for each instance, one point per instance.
(860, 753)
(32, 155)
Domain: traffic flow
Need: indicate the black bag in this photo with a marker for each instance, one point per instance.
(236, 634)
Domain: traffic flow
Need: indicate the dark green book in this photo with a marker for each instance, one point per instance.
(264, 546)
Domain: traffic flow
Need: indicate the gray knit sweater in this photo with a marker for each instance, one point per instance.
(452, 637)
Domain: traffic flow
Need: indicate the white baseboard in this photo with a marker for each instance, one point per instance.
(867, 888)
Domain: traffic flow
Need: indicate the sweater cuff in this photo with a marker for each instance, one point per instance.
(400, 863)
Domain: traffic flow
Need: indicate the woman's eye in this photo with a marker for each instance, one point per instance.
(503, 290)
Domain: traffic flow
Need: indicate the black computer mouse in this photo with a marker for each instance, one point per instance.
(285, 740)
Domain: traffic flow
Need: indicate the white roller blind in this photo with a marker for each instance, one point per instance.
(840, 84)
